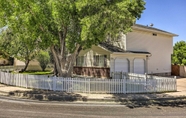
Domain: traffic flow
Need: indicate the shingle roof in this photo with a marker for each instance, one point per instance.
(113, 48)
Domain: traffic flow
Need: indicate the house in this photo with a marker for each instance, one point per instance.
(5, 61)
(144, 50)
(32, 66)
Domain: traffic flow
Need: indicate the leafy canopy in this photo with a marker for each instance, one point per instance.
(86, 22)
(67, 26)
(179, 53)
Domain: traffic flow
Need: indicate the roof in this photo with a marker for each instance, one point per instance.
(112, 48)
(149, 28)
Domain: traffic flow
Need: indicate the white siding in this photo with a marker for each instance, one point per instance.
(89, 56)
(160, 46)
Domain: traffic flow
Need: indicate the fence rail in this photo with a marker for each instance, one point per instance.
(130, 83)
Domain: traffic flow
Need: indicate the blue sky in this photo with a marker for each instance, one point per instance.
(168, 15)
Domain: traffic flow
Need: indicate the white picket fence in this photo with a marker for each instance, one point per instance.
(130, 83)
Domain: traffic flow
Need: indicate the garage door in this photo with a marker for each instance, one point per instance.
(139, 66)
(121, 65)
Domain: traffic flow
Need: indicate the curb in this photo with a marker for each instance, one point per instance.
(84, 98)
(4, 93)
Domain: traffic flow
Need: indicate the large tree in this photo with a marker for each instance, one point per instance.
(179, 53)
(67, 26)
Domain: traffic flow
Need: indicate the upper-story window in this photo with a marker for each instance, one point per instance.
(154, 34)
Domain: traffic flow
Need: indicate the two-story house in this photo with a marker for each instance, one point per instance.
(144, 50)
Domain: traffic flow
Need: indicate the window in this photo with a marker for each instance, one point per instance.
(100, 60)
(80, 61)
(154, 34)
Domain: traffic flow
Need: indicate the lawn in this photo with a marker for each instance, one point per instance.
(38, 72)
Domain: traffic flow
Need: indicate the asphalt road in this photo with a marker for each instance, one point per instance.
(25, 109)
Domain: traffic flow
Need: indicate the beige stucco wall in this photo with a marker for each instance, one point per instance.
(160, 46)
(33, 65)
(3, 61)
(89, 53)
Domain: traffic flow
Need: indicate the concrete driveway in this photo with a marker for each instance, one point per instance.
(181, 88)
(181, 84)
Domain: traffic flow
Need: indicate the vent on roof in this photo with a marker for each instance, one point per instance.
(154, 34)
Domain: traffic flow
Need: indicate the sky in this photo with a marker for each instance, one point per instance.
(168, 15)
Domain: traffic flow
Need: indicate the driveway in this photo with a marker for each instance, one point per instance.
(181, 88)
(181, 84)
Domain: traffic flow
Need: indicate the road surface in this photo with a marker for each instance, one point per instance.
(25, 109)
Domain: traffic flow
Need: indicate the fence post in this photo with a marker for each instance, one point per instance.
(89, 86)
(112, 75)
(54, 83)
(175, 83)
(146, 86)
(145, 75)
(121, 75)
(85, 85)
(124, 85)
(0, 77)
(26, 78)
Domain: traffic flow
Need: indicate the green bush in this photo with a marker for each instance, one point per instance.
(179, 53)
(44, 59)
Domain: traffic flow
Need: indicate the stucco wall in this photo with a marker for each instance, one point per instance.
(33, 65)
(3, 61)
(159, 46)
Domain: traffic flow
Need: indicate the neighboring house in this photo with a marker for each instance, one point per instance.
(144, 50)
(6, 61)
(33, 65)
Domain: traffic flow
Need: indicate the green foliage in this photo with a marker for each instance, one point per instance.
(179, 53)
(44, 59)
(18, 45)
(38, 72)
(88, 22)
(68, 25)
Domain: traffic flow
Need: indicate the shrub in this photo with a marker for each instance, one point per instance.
(44, 59)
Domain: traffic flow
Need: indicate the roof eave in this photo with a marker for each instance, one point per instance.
(153, 30)
(131, 53)
(105, 49)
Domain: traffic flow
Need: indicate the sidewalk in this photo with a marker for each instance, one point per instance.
(63, 96)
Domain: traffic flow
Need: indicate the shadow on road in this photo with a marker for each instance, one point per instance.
(132, 101)
(142, 100)
(38, 94)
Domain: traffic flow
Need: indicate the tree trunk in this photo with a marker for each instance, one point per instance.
(55, 70)
(65, 69)
(56, 60)
(26, 65)
(73, 59)
(64, 63)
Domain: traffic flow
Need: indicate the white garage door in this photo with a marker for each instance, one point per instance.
(121, 65)
(139, 66)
